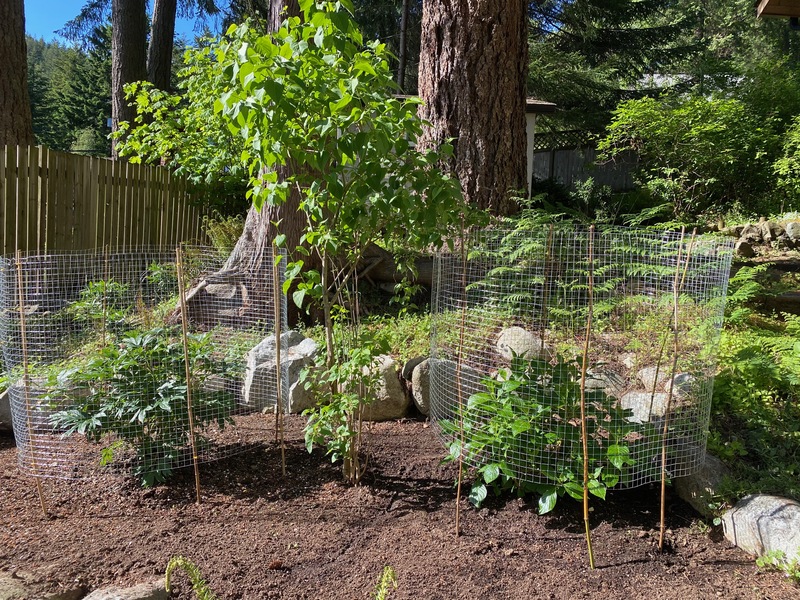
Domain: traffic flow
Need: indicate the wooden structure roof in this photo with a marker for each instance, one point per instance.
(778, 8)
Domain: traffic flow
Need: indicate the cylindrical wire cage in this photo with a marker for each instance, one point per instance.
(93, 347)
(512, 312)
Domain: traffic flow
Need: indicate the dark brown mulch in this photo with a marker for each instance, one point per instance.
(257, 535)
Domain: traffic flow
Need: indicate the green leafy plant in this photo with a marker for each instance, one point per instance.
(348, 387)
(315, 102)
(386, 584)
(778, 561)
(135, 390)
(531, 412)
(199, 585)
(102, 302)
(223, 231)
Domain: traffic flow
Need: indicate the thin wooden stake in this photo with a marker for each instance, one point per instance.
(677, 287)
(185, 336)
(584, 429)
(459, 388)
(26, 381)
(279, 407)
(106, 275)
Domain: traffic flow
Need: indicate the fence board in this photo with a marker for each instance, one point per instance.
(52, 200)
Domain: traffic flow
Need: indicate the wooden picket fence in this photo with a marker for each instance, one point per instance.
(53, 201)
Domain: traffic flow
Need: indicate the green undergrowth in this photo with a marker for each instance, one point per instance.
(755, 422)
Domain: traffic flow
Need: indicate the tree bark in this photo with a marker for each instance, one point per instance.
(403, 46)
(16, 124)
(472, 78)
(249, 266)
(162, 41)
(128, 56)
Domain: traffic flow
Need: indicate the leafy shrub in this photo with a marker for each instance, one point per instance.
(136, 390)
(348, 386)
(223, 232)
(102, 302)
(531, 413)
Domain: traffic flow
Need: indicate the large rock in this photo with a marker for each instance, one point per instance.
(646, 406)
(5, 411)
(760, 524)
(410, 365)
(435, 386)
(390, 400)
(770, 231)
(521, 342)
(259, 391)
(699, 489)
(145, 591)
(744, 249)
(793, 232)
(682, 382)
(606, 380)
(751, 233)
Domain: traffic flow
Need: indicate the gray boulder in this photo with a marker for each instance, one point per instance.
(521, 342)
(760, 524)
(606, 380)
(744, 249)
(793, 233)
(646, 406)
(390, 401)
(770, 231)
(5, 411)
(698, 489)
(260, 390)
(410, 365)
(751, 233)
(153, 590)
(434, 386)
(682, 382)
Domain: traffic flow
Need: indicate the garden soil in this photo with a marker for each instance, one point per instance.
(259, 535)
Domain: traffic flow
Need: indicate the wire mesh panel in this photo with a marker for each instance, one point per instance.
(516, 312)
(97, 368)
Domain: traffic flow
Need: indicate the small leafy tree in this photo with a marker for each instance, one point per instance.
(317, 99)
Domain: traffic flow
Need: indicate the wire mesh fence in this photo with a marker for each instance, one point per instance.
(102, 376)
(516, 311)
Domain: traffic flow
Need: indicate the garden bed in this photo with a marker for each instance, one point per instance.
(258, 536)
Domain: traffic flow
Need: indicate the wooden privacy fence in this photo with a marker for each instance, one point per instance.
(53, 200)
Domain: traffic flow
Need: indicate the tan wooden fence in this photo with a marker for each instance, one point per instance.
(52, 200)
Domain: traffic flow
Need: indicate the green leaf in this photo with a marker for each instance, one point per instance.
(491, 472)
(597, 488)
(574, 489)
(548, 500)
(619, 456)
(477, 494)
(298, 297)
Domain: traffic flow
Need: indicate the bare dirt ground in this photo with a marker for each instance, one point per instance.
(257, 535)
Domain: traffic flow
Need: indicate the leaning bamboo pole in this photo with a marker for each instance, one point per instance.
(584, 428)
(677, 288)
(187, 365)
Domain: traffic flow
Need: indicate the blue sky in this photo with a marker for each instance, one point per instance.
(44, 17)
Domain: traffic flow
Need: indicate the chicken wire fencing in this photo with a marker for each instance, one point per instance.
(516, 311)
(97, 367)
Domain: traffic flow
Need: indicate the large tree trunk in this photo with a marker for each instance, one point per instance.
(249, 267)
(162, 40)
(16, 127)
(472, 76)
(128, 56)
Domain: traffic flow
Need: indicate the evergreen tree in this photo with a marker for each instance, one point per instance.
(588, 55)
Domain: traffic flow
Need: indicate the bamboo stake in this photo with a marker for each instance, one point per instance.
(185, 337)
(26, 381)
(279, 404)
(459, 387)
(677, 287)
(584, 432)
(105, 296)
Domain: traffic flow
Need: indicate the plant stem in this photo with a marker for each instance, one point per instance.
(185, 338)
(584, 429)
